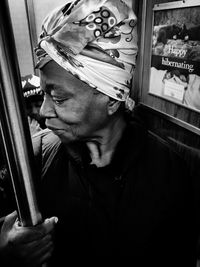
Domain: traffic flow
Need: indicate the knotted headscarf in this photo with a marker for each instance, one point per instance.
(96, 41)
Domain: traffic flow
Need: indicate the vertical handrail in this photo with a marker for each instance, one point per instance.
(14, 125)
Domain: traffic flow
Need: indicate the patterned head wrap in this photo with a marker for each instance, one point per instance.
(96, 41)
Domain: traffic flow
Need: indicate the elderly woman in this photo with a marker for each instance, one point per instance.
(113, 193)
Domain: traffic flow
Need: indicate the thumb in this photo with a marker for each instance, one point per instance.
(29, 119)
(50, 223)
(9, 221)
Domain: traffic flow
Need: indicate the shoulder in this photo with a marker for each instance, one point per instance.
(161, 148)
(166, 161)
(46, 146)
(159, 144)
(150, 145)
(46, 141)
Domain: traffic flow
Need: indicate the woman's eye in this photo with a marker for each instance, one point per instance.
(59, 101)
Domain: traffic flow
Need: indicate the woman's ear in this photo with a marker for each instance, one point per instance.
(113, 106)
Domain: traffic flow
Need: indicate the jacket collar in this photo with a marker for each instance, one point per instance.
(128, 151)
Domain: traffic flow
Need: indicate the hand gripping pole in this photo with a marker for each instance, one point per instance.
(14, 125)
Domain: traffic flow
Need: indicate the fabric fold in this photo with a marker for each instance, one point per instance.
(94, 40)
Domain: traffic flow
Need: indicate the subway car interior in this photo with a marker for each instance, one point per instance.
(165, 88)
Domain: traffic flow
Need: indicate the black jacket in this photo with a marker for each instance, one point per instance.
(138, 211)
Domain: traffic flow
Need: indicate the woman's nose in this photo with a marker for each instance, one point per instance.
(47, 108)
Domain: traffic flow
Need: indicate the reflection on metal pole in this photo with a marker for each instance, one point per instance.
(14, 125)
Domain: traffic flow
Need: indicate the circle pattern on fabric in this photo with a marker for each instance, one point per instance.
(97, 33)
(104, 27)
(111, 21)
(90, 18)
(105, 14)
(100, 21)
(91, 26)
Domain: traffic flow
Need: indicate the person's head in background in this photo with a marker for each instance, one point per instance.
(33, 96)
(94, 42)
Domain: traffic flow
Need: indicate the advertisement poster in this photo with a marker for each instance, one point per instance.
(175, 57)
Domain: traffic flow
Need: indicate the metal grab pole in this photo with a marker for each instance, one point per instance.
(14, 125)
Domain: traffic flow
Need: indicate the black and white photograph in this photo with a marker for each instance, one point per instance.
(99, 133)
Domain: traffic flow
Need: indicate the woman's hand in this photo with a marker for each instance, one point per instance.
(26, 246)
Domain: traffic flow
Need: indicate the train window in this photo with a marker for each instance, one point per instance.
(26, 17)
(20, 27)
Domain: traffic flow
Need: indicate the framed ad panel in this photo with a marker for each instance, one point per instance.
(170, 59)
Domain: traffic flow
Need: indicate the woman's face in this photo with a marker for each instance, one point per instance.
(72, 109)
